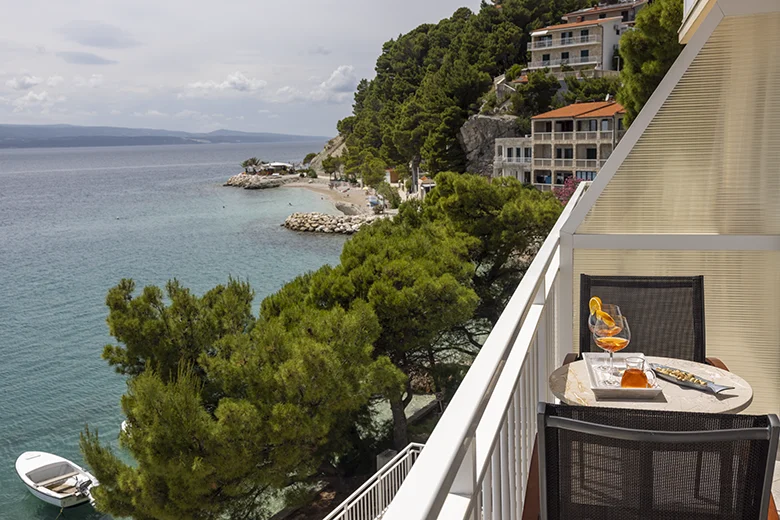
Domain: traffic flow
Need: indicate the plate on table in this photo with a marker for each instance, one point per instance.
(683, 378)
(598, 377)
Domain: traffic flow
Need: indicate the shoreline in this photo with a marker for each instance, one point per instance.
(355, 199)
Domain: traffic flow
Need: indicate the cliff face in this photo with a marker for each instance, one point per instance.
(335, 148)
(477, 137)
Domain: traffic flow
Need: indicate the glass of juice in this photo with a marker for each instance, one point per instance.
(636, 375)
(612, 335)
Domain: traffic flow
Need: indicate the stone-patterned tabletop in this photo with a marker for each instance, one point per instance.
(570, 384)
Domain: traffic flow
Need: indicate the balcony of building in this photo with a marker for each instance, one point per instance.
(557, 41)
(559, 62)
(667, 202)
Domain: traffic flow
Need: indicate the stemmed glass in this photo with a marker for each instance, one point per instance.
(593, 319)
(612, 337)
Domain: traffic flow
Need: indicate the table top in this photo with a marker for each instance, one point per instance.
(571, 385)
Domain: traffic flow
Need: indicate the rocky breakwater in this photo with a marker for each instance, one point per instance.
(322, 223)
(258, 182)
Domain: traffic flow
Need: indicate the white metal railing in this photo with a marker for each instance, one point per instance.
(549, 43)
(557, 62)
(372, 498)
(587, 163)
(476, 462)
(526, 160)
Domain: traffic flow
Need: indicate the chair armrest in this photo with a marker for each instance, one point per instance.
(717, 363)
(571, 357)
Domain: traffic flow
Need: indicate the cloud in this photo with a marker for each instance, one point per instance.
(237, 82)
(84, 58)
(53, 81)
(288, 95)
(115, 112)
(263, 111)
(319, 49)
(338, 87)
(95, 80)
(33, 99)
(26, 82)
(97, 34)
(150, 113)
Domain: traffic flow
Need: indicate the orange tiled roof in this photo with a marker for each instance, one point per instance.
(575, 24)
(577, 110)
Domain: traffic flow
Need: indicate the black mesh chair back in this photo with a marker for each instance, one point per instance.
(612, 463)
(666, 314)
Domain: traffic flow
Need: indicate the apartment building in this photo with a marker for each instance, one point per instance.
(587, 47)
(573, 141)
(627, 12)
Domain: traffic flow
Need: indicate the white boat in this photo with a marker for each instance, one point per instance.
(55, 480)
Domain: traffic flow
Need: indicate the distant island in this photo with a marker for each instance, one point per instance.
(61, 136)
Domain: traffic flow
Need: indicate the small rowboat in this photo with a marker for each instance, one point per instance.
(55, 480)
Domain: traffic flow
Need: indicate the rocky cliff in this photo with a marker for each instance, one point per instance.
(322, 223)
(259, 182)
(335, 148)
(477, 137)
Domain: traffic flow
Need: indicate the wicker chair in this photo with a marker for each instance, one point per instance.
(642, 464)
(666, 314)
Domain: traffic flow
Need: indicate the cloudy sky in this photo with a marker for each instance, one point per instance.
(197, 65)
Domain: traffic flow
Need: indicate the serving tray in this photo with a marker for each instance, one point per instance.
(598, 378)
(684, 378)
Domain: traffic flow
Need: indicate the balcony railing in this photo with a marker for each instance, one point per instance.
(476, 462)
(543, 136)
(564, 163)
(587, 136)
(525, 160)
(543, 162)
(588, 163)
(576, 60)
(563, 136)
(549, 43)
(372, 498)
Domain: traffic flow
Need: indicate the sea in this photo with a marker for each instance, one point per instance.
(73, 223)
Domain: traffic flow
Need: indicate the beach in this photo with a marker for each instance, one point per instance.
(351, 202)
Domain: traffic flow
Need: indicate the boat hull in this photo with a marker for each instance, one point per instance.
(67, 502)
(40, 461)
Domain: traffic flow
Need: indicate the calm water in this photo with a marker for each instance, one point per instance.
(73, 222)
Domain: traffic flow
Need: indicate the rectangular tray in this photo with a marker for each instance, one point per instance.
(597, 378)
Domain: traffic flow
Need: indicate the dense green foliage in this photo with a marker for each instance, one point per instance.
(536, 96)
(648, 52)
(251, 164)
(331, 165)
(581, 90)
(309, 158)
(429, 81)
(223, 410)
(390, 194)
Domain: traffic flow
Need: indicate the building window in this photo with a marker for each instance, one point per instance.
(590, 154)
(584, 53)
(603, 15)
(528, 153)
(543, 178)
(508, 153)
(605, 125)
(564, 153)
(624, 14)
(566, 36)
(564, 56)
(620, 123)
(500, 152)
(584, 33)
(518, 152)
(592, 125)
(545, 58)
(586, 176)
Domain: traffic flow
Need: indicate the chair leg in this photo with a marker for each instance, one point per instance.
(532, 504)
(697, 484)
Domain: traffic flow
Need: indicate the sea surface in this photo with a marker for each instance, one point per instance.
(73, 222)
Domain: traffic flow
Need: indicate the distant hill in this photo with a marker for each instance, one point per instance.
(57, 136)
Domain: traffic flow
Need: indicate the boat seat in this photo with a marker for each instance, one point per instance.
(58, 478)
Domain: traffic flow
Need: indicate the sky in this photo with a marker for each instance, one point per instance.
(197, 65)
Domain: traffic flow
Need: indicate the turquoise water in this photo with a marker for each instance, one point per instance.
(73, 222)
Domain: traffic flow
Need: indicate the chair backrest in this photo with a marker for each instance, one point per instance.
(666, 314)
(612, 463)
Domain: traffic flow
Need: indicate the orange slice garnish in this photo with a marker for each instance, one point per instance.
(606, 318)
(594, 304)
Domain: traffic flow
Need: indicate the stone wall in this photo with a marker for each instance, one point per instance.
(322, 223)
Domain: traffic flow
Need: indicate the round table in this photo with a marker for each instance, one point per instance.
(570, 384)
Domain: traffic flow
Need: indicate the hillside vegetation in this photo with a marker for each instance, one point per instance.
(429, 81)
